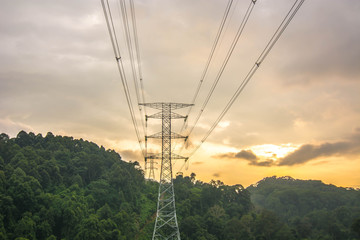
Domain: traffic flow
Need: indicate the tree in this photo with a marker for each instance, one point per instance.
(356, 226)
(192, 177)
(267, 224)
(235, 230)
(25, 227)
(23, 139)
(90, 229)
(23, 190)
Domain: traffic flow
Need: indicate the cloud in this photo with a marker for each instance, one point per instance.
(310, 152)
(243, 154)
(333, 58)
(264, 163)
(216, 175)
(197, 163)
(130, 155)
(11, 127)
(303, 154)
(250, 156)
(247, 155)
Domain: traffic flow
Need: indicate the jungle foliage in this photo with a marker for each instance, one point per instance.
(57, 187)
(312, 209)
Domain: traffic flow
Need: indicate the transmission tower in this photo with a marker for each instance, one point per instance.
(166, 225)
(149, 168)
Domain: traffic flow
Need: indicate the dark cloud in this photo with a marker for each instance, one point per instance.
(310, 152)
(243, 154)
(197, 163)
(303, 154)
(216, 175)
(264, 163)
(249, 156)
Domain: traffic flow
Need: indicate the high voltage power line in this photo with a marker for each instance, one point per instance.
(136, 42)
(120, 65)
(138, 57)
(218, 35)
(275, 37)
(208, 62)
(129, 43)
(224, 64)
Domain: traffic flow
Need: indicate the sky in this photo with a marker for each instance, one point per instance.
(299, 115)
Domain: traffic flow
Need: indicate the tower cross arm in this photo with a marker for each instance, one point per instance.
(162, 135)
(159, 115)
(161, 105)
(159, 156)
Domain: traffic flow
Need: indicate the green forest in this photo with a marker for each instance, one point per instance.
(57, 187)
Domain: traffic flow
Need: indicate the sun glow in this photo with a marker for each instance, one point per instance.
(274, 151)
(224, 124)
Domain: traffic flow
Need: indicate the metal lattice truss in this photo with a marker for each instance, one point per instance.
(160, 105)
(172, 135)
(166, 226)
(151, 167)
(159, 115)
(159, 156)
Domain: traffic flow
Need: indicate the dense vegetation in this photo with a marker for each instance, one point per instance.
(56, 187)
(312, 209)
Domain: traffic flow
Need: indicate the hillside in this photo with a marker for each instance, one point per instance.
(312, 208)
(57, 187)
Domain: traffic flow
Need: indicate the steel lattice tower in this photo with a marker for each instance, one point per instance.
(149, 165)
(166, 225)
(151, 171)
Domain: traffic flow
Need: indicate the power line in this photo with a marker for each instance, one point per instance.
(134, 24)
(131, 56)
(203, 75)
(225, 62)
(138, 58)
(120, 66)
(221, 27)
(133, 49)
(133, 17)
(290, 15)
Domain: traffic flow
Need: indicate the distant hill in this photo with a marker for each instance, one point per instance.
(312, 208)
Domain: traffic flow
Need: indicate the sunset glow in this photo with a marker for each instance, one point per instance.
(273, 151)
(299, 114)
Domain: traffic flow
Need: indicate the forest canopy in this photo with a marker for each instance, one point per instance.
(56, 187)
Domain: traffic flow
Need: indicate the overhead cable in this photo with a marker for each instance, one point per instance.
(290, 15)
(131, 56)
(120, 66)
(225, 62)
(136, 41)
(221, 27)
(138, 57)
(204, 73)
(137, 50)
